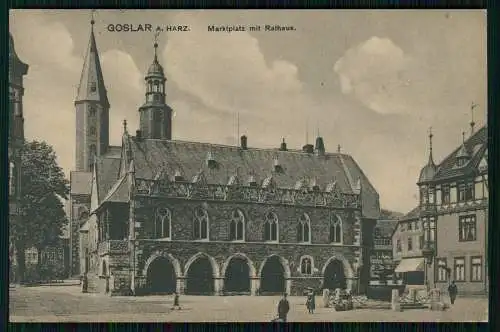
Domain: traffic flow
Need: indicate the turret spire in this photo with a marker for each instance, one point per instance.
(472, 123)
(431, 160)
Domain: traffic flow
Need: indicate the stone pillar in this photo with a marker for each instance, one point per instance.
(326, 298)
(351, 284)
(219, 285)
(254, 285)
(413, 294)
(395, 305)
(288, 285)
(181, 283)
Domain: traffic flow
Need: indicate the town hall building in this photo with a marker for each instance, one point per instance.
(159, 215)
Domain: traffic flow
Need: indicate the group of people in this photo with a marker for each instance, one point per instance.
(284, 306)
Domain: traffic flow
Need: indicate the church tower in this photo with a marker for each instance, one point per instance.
(155, 114)
(92, 110)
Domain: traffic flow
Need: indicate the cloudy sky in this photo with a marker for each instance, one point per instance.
(371, 81)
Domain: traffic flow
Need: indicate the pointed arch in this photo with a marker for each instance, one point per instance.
(172, 259)
(284, 262)
(271, 227)
(201, 224)
(270, 278)
(348, 271)
(163, 223)
(213, 263)
(306, 265)
(251, 266)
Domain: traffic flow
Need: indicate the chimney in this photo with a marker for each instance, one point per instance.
(138, 134)
(283, 145)
(320, 146)
(308, 148)
(244, 142)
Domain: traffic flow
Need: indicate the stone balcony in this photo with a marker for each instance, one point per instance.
(113, 246)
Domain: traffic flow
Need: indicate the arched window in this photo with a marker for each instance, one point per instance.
(335, 229)
(237, 226)
(156, 86)
(271, 227)
(92, 111)
(163, 220)
(306, 265)
(200, 224)
(92, 131)
(150, 86)
(304, 229)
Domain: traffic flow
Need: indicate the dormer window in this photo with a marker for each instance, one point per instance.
(178, 176)
(314, 185)
(277, 165)
(252, 182)
(331, 187)
(211, 162)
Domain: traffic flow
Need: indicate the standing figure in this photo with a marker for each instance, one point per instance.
(283, 308)
(311, 302)
(452, 290)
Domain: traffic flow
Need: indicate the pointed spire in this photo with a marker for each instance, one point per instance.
(431, 160)
(92, 81)
(338, 148)
(462, 154)
(472, 123)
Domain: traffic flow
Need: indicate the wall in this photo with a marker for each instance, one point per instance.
(449, 246)
(220, 216)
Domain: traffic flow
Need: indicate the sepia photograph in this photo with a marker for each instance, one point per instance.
(248, 166)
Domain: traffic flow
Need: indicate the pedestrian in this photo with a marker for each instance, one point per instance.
(176, 302)
(283, 308)
(311, 302)
(452, 291)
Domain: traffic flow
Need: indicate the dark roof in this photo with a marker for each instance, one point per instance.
(92, 76)
(119, 193)
(386, 227)
(107, 174)
(413, 214)
(153, 157)
(80, 182)
(475, 145)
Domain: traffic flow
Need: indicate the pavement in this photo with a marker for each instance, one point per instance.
(68, 304)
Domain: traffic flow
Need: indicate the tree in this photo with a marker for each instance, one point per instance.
(43, 185)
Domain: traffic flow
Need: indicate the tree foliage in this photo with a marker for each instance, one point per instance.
(43, 186)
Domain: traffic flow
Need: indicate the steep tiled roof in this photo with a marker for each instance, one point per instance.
(81, 182)
(413, 214)
(386, 227)
(475, 145)
(107, 174)
(151, 157)
(119, 192)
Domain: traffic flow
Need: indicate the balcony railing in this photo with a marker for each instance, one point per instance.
(189, 190)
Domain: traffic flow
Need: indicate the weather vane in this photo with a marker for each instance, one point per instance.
(92, 18)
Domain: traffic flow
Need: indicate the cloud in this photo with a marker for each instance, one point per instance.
(209, 72)
(374, 72)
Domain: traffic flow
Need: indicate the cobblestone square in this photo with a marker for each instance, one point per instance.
(67, 304)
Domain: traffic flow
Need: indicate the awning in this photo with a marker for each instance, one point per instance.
(410, 265)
